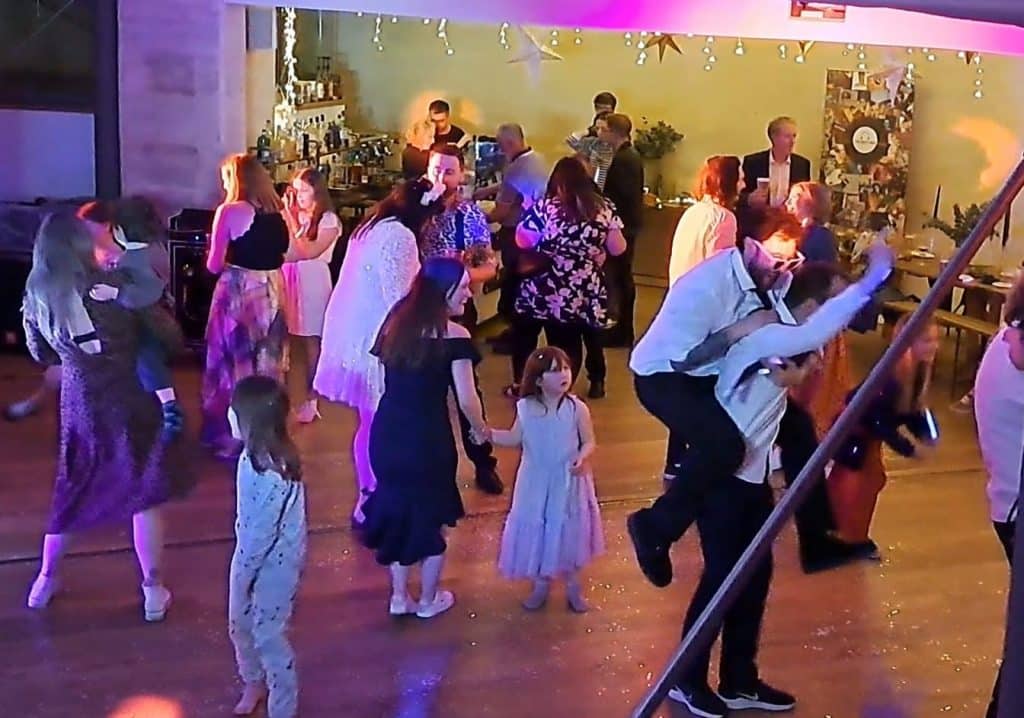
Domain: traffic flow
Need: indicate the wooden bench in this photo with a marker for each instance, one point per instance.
(951, 320)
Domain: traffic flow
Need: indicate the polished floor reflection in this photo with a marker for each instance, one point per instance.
(916, 635)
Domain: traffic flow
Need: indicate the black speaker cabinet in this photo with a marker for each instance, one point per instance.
(191, 285)
(14, 269)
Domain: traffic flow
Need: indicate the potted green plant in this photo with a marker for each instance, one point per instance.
(654, 142)
(964, 222)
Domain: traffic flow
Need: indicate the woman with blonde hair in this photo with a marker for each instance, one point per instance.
(709, 225)
(858, 475)
(824, 392)
(113, 464)
(418, 139)
(246, 332)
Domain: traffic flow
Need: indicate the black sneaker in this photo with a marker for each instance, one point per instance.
(488, 481)
(829, 552)
(653, 559)
(700, 701)
(21, 410)
(761, 697)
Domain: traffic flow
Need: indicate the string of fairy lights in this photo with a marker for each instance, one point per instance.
(642, 42)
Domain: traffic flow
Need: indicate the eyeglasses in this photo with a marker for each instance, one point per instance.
(788, 265)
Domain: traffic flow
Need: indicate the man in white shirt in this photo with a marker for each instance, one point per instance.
(734, 508)
(676, 365)
(769, 174)
(999, 411)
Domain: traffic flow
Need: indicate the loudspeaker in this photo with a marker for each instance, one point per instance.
(191, 284)
(14, 269)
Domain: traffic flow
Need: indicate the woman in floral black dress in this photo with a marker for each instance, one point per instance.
(112, 464)
(573, 228)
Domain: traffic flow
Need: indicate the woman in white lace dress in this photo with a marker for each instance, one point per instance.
(380, 263)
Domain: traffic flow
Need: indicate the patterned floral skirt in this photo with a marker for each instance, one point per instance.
(246, 334)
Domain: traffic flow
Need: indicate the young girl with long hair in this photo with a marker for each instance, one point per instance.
(381, 260)
(246, 332)
(112, 464)
(412, 447)
(858, 474)
(314, 230)
(554, 527)
(270, 548)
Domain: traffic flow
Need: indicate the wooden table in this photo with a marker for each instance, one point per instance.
(980, 299)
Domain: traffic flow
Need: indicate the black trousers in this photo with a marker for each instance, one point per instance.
(618, 272)
(730, 516)
(595, 364)
(481, 455)
(526, 334)
(510, 279)
(687, 406)
(798, 440)
(705, 445)
(1005, 532)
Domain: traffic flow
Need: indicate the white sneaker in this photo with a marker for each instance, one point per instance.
(402, 606)
(42, 590)
(157, 599)
(443, 600)
(308, 412)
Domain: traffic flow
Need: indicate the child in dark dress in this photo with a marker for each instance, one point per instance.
(146, 264)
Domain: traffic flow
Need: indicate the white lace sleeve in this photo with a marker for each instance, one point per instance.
(399, 263)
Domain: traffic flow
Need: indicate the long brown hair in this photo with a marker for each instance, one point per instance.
(404, 204)
(422, 313)
(576, 192)
(719, 179)
(540, 362)
(321, 198)
(248, 181)
(63, 265)
(261, 405)
(914, 375)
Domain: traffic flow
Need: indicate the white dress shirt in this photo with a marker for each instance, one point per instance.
(778, 180)
(716, 293)
(704, 229)
(999, 410)
(756, 406)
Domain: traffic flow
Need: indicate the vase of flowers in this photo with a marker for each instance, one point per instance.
(653, 143)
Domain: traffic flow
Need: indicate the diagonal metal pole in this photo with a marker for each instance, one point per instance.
(705, 629)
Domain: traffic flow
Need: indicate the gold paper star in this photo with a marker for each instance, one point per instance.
(663, 41)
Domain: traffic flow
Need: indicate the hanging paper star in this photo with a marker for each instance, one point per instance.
(533, 52)
(663, 41)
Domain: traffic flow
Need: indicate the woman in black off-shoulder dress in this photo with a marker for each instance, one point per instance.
(412, 445)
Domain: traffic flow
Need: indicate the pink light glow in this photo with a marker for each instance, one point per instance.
(768, 19)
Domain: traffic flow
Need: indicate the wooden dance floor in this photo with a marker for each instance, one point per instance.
(917, 635)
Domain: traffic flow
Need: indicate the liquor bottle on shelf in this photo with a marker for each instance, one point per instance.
(264, 152)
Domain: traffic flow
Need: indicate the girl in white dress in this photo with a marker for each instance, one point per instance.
(380, 263)
(314, 230)
(554, 527)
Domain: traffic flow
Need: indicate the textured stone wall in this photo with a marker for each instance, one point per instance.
(182, 97)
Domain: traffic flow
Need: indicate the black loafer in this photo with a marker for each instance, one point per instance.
(653, 559)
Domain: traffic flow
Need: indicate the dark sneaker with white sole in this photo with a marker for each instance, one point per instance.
(701, 701)
(761, 697)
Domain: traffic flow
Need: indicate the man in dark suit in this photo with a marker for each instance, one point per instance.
(624, 186)
(769, 174)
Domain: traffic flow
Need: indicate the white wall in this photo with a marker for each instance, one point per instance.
(47, 154)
